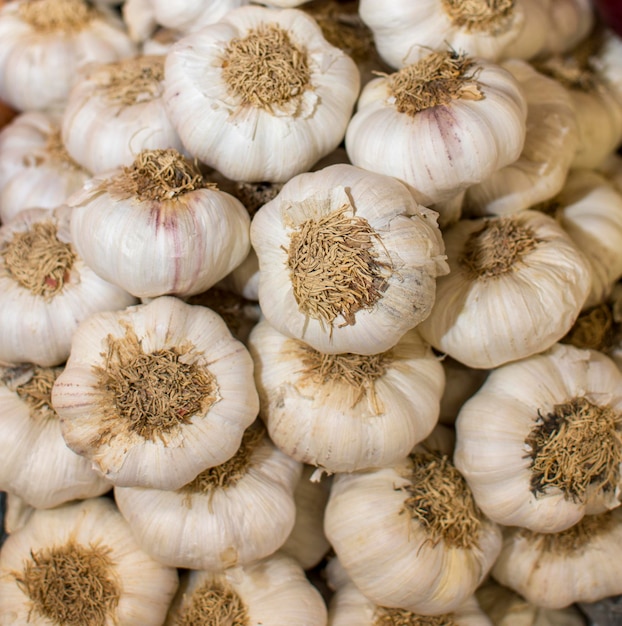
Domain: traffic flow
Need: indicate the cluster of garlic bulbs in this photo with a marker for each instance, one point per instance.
(301, 286)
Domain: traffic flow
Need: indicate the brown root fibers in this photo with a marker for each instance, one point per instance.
(214, 603)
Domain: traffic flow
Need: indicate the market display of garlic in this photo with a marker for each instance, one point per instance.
(441, 124)
(348, 260)
(261, 95)
(36, 170)
(44, 44)
(119, 107)
(156, 393)
(271, 592)
(79, 564)
(46, 288)
(552, 449)
(346, 412)
(506, 275)
(157, 227)
(37, 464)
(231, 514)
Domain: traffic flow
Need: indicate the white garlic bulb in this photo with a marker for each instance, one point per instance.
(260, 95)
(46, 288)
(45, 42)
(346, 412)
(416, 521)
(79, 564)
(507, 274)
(156, 393)
(230, 514)
(570, 22)
(347, 260)
(271, 592)
(37, 464)
(157, 227)
(119, 108)
(441, 124)
(36, 170)
(540, 443)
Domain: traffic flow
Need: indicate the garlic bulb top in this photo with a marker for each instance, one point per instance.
(79, 564)
(156, 393)
(552, 450)
(36, 170)
(157, 227)
(118, 106)
(46, 288)
(440, 124)
(347, 260)
(260, 95)
(45, 42)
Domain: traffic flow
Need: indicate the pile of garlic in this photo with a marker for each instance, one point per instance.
(310, 312)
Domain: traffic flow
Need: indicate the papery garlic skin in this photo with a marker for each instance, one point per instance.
(248, 141)
(316, 416)
(38, 68)
(144, 587)
(570, 22)
(16, 513)
(273, 591)
(550, 144)
(507, 408)
(495, 304)
(191, 15)
(37, 326)
(406, 243)
(119, 121)
(166, 456)
(35, 169)
(444, 148)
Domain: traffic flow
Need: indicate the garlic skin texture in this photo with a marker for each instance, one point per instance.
(440, 147)
(507, 275)
(119, 107)
(90, 568)
(189, 16)
(269, 592)
(159, 240)
(505, 467)
(345, 413)
(403, 253)
(35, 169)
(570, 22)
(550, 144)
(16, 513)
(39, 60)
(255, 135)
(382, 549)
(46, 289)
(209, 526)
(543, 567)
(161, 446)
(37, 464)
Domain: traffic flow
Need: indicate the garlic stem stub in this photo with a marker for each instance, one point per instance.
(156, 393)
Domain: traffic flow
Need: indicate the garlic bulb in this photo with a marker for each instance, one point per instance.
(37, 464)
(260, 95)
(271, 592)
(45, 42)
(416, 521)
(543, 567)
(156, 393)
(230, 514)
(79, 564)
(349, 607)
(570, 22)
(347, 260)
(46, 289)
(35, 169)
(540, 443)
(441, 124)
(119, 107)
(157, 227)
(507, 274)
(550, 144)
(346, 412)
(16, 514)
